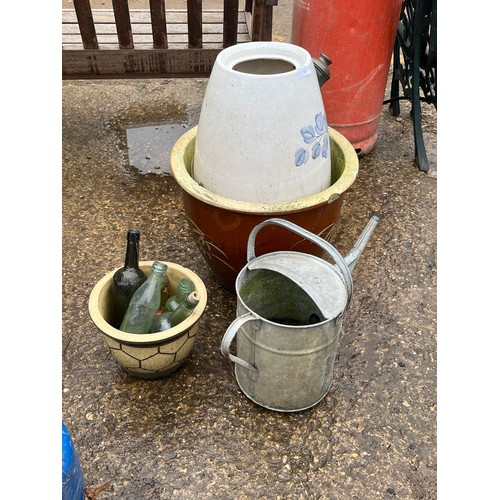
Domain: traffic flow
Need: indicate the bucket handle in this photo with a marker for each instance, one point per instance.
(327, 247)
(231, 331)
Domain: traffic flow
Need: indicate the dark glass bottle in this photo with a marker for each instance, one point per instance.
(127, 279)
(143, 305)
(170, 319)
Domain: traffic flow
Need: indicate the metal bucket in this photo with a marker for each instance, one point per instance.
(290, 307)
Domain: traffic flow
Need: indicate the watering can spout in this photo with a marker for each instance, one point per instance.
(353, 256)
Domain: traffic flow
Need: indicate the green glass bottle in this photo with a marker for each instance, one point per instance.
(170, 319)
(145, 302)
(184, 288)
(126, 280)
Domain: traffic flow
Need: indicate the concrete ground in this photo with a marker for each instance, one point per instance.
(195, 434)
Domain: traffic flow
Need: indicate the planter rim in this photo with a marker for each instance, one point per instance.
(343, 183)
(145, 339)
(297, 56)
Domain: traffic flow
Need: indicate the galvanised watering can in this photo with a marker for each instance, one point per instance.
(290, 307)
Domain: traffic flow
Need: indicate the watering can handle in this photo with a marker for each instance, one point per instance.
(229, 336)
(327, 247)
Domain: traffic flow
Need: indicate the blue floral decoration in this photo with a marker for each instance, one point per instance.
(316, 137)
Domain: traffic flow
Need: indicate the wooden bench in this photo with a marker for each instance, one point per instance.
(156, 43)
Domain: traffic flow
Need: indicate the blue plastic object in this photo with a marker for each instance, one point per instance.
(72, 477)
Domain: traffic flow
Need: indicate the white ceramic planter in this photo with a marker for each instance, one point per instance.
(262, 135)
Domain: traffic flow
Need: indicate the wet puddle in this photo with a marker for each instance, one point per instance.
(148, 147)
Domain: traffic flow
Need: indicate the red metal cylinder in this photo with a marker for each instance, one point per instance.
(358, 36)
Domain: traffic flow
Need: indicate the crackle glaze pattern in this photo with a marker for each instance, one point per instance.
(155, 361)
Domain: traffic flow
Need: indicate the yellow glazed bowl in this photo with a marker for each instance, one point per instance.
(151, 355)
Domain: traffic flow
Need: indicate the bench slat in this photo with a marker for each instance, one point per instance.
(158, 24)
(139, 63)
(83, 13)
(141, 29)
(108, 42)
(123, 26)
(173, 16)
(230, 23)
(194, 23)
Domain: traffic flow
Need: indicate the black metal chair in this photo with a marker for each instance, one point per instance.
(415, 66)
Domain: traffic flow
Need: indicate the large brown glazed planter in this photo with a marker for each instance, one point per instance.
(221, 226)
(151, 355)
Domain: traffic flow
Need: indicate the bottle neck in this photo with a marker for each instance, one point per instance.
(185, 308)
(191, 301)
(184, 288)
(132, 253)
(159, 271)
